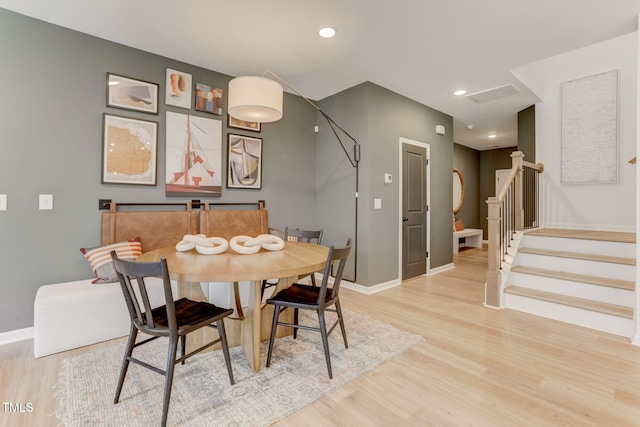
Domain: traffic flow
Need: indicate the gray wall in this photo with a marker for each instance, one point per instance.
(467, 160)
(377, 118)
(53, 86)
(527, 133)
(490, 161)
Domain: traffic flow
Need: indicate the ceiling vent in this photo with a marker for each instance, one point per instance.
(494, 93)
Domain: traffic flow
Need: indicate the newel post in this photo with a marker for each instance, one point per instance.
(492, 287)
(518, 210)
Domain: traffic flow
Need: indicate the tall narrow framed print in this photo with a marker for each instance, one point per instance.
(589, 123)
(244, 168)
(129, 151)
(193, 156)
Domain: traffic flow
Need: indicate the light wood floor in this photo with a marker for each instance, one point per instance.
(476, 367)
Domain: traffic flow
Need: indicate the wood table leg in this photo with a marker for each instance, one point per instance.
(250, 338)
(255, 327)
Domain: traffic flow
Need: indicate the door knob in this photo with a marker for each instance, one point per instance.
(405, 219)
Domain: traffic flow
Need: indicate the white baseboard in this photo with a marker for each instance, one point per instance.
(370, 290)
(440, 269)
(16, 335)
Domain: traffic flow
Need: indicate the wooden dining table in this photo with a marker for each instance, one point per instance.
(189, 268)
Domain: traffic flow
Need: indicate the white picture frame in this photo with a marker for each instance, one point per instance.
(178, 89)
(589, 126)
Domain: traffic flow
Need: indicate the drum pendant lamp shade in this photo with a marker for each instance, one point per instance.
(255, 99)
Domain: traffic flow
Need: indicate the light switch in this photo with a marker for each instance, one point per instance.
(3, 202)
(46, 202)
(377, 203)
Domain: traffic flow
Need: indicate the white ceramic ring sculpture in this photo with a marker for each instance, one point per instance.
(243, 249)
(187, 242)
(218, 245)
(198, 239)
(203, 244)
(267, 241)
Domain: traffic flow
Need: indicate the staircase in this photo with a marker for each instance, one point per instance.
(581, 277)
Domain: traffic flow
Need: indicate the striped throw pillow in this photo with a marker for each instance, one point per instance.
(100, 258)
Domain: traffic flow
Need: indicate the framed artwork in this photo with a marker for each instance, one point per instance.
(132, 94)
(129, 151)
(244, 167)
(178, 91)
(193, 156)
(208, 99)
(232, 122)
(589, 125)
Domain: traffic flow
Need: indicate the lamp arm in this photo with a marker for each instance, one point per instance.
(356, 153)
(332, 124)
(290, 87)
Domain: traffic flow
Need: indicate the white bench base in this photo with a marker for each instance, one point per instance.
(473, 238)
(74, 314)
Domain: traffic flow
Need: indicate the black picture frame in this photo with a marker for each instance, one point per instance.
(132, 94)
(244, 162)
(129, 150)
(232, 122)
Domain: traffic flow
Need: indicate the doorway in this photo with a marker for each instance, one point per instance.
(501, 179)
(413, 209)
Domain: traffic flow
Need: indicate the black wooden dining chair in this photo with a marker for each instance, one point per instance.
(317, 298)
(297, 235)
(174, 320)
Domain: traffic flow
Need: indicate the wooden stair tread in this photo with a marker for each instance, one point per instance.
(585, 304)
(582, 278)
(579, 255)
(608, 236)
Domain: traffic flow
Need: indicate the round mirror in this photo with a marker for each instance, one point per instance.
(458, 190)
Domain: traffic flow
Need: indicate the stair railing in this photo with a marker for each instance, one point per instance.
(515, 208)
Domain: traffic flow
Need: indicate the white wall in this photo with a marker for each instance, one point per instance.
(587, 206)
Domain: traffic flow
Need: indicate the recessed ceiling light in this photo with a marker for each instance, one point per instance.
(460, 92)
(469, 127)
(493, 135)
(327, 32)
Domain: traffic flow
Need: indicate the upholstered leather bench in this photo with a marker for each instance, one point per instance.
(79, 313)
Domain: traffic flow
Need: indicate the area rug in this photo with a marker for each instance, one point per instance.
(202, 394)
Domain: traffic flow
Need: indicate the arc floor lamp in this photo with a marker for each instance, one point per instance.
(259, 99)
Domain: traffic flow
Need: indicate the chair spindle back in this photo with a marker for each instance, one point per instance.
(139, 305)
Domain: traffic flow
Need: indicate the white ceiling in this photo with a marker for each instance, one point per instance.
(422, 49)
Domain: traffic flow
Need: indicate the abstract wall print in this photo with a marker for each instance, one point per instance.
(244, 169)
(132, 94)
(209, 99)
(129, 151)
(232, 122)
(194, 156)
(590, 129)
(178, 91)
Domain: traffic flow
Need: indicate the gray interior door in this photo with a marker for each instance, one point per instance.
(414, 211)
